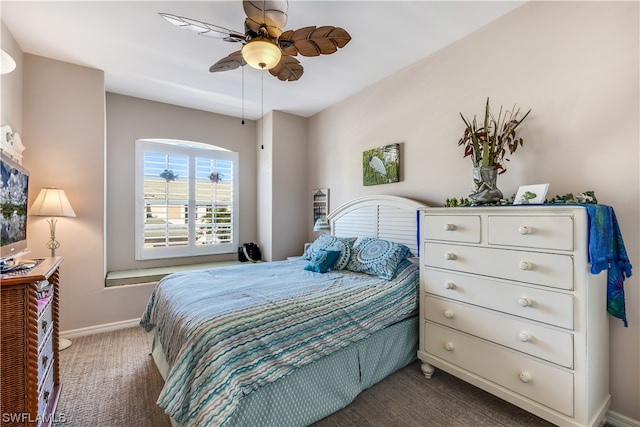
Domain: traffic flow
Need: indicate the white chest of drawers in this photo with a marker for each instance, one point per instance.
(507, 303)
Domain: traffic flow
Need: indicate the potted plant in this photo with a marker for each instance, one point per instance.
(487, 145)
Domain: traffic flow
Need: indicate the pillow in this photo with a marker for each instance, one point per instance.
(377, 257)
(323, 261)
(325, 241)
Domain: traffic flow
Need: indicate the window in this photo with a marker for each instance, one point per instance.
(186, 199)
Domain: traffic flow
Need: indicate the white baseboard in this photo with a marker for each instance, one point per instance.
(123, 324)
(615, 419)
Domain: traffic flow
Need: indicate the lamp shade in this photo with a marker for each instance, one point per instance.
(52, 202)
(261, 53)
(321, 225)
(7, 64)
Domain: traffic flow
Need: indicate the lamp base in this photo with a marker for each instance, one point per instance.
(63, 344)
(53, 244)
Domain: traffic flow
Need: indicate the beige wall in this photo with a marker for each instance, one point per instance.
(290, 195)
(283, 186)
(576, 65)
(129, 119)
(264, 166)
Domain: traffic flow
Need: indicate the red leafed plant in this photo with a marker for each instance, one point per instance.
(487, 144)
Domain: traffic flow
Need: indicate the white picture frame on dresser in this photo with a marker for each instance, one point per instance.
(538, 190)
(508, 303)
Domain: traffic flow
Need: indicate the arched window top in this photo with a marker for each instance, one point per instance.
(185, 143)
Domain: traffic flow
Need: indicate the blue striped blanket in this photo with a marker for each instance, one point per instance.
(228, 331)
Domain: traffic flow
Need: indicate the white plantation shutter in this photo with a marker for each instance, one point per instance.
(166, 201)
(186, 199)
(214, 200)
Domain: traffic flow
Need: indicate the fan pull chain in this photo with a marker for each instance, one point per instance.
(262, 113)
(242, 95)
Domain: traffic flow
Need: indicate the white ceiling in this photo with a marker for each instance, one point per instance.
(144, 56)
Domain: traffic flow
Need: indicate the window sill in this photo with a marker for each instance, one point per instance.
(150, 275)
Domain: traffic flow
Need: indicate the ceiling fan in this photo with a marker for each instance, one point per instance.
(265, 45)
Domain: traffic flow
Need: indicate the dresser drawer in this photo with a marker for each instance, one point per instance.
(539, 381)
(45, 358)
(554, 270)
(45, 323)
(452, 228)
(554, 308)
(45, 393)
(543, 232)
(532, 338)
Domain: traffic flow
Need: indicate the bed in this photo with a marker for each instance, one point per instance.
(281, 344)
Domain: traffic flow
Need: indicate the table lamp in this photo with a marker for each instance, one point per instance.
(52, 202)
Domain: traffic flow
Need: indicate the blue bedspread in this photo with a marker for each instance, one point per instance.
(228, 331)
(607, 252)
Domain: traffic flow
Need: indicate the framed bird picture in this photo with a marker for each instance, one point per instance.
(381, 165)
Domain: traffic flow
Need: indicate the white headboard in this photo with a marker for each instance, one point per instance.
(385, 217)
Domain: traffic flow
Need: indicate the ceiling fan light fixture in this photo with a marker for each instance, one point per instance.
(261, 53)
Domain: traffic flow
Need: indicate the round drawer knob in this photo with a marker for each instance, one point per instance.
(524, 336)
(450, 256)
(524, 230)
(524, 302)
(525, 377)
(525, 265)
(448, 314)
(450, 227)
(448, 346)
(450, 285)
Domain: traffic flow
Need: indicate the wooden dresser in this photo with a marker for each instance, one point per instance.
(508, 304)
(29, 364)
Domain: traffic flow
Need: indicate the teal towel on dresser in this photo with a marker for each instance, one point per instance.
(607, 251)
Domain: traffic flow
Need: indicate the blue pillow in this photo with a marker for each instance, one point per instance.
(377, 257)
(326, 241)
(323, 261)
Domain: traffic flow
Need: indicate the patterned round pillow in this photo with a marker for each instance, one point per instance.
(325, 241)
(374, 251)
(378, 257)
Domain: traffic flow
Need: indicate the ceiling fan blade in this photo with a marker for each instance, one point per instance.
(229, 63)
(271, 14)
(204, 29)
(288, 69)
(314, 41)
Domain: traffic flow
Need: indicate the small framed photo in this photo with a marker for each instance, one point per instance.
(531, 194)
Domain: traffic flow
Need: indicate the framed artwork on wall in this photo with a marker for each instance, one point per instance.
(381, 165)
